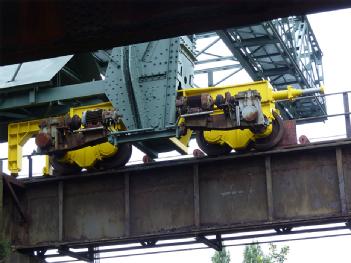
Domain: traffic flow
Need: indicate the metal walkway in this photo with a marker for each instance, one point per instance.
(288, 187)
(284, 51)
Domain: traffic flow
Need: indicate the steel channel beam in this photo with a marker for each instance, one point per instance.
(302, 185)
(64, 27)
(42, 95)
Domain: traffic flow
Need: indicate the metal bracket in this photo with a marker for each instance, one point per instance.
(9, 183)
(212, 243)
(348, 224)
(149, 243)
(283, 229)
(84, 256)
(41, 255)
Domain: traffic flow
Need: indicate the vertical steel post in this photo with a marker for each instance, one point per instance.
(269, 186)
(60, 210)
(347, 115)
(30, 167)
(196, 195)
(127, 205)
(341, 179)
(210, 78)
(1, 167)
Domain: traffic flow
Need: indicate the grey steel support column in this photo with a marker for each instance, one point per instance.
(347, 116)
(196, 196)
(60, 210)
(341, 179)
(126, 204)
(269, 188)
(210, 78)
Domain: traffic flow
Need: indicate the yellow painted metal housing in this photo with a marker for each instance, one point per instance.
(239, 139)
(87, 157)
(19, 133)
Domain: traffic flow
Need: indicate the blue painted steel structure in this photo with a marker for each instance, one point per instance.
(142, 80)
(284, 51)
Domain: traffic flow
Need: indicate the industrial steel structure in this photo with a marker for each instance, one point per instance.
(144, 94)
(34, 30)
(183, 198)
(141, 81)
(284, 51)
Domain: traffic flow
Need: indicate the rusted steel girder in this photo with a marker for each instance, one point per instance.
(302, 185)
(35, 29)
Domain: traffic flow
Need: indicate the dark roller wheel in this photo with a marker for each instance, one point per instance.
(121, 157)
(61, 168)
(211, 149)
(246, 150)
(264, 144)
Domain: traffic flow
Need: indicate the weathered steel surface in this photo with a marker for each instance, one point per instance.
(34, 29)
(289, 136)
(306, 184)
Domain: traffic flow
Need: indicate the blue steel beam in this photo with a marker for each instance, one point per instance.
(36, 96)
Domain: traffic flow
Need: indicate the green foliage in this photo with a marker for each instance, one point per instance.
(5, 249)
(254, 254)
(221, 256)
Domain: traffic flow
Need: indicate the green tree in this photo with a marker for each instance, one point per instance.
(221, 256)
(254, 254)
(4, 249)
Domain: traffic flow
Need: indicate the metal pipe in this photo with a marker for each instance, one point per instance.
(314, 96)
(347, 116)
(197, 114)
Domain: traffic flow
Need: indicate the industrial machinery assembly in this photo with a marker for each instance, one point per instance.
(147, 98)
(223, 118)
(88, 110)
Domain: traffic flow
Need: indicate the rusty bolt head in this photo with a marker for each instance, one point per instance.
(75, 122)
(147, 159)
(43, 140)
(198, 153)
(206, 101)
(303, 139)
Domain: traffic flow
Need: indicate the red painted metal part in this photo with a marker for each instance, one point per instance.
(35, 29)
(289, 137)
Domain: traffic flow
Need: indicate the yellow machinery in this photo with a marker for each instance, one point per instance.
(98, 155)
(237, 117)
(87, 157)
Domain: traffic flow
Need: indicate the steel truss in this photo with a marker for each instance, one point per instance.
(202, 199)
(216, 242)
(284, 51)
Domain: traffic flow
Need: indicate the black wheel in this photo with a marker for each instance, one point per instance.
(246, 150)
(211, 149)
(61, 168)
(264, 144)
(121, 157)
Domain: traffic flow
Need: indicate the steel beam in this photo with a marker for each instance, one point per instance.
(230, 43)
(35, 29)
(20, 99)
(303, 185)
